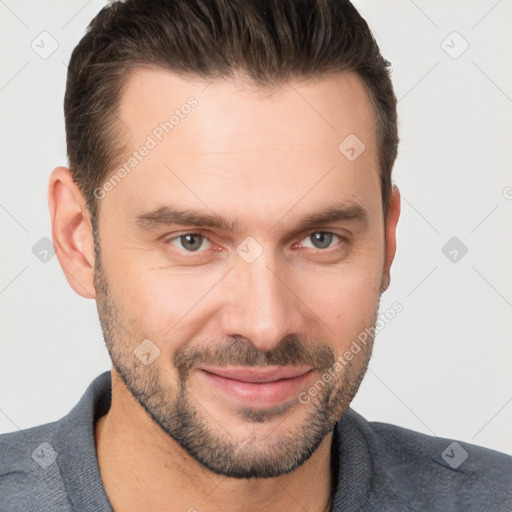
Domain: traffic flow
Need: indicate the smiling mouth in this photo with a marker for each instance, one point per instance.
(263, 387)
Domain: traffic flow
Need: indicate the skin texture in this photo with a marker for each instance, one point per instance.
(263, 159)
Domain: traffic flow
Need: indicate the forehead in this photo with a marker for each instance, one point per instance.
(236, 147)
(310, 113)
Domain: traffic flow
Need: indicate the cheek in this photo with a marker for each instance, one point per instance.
(175, 304)
(162, 304)
(345, 299)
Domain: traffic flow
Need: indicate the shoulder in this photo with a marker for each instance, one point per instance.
(29, 474)
(434, 472)
(46, 467)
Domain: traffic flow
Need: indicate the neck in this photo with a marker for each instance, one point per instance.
(142, 468)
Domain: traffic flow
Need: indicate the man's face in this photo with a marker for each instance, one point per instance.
(265, 292)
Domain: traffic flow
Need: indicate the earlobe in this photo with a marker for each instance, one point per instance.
(390, 227)
(72, 232)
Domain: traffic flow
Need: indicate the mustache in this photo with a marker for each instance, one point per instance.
(239, 351)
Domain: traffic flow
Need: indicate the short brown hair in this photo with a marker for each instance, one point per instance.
(270, 42)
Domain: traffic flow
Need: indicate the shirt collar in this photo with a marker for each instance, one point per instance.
(76, 451)
(351, 461)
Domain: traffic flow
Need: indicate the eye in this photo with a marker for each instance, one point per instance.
(191, 242)
(321, 239)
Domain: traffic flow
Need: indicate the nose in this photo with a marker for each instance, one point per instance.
(260, 302)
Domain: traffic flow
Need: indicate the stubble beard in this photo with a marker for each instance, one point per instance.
(183, 419)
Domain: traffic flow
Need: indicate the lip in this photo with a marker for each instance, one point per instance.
(257, 387)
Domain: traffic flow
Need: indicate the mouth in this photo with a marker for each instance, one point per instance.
(257, 387)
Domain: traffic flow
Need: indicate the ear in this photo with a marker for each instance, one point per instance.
(72, 232)
(390, 231)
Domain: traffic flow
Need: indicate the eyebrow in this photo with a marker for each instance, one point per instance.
(167, 215)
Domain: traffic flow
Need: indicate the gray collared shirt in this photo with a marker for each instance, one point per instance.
(377, 466)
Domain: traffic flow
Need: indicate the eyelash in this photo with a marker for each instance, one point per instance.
(205, 237)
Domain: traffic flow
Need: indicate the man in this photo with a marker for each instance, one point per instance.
(229, 206)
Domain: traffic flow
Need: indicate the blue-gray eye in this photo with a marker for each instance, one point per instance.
(321, 239)
(190, 241)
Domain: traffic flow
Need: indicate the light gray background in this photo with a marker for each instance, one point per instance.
(442, 366)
